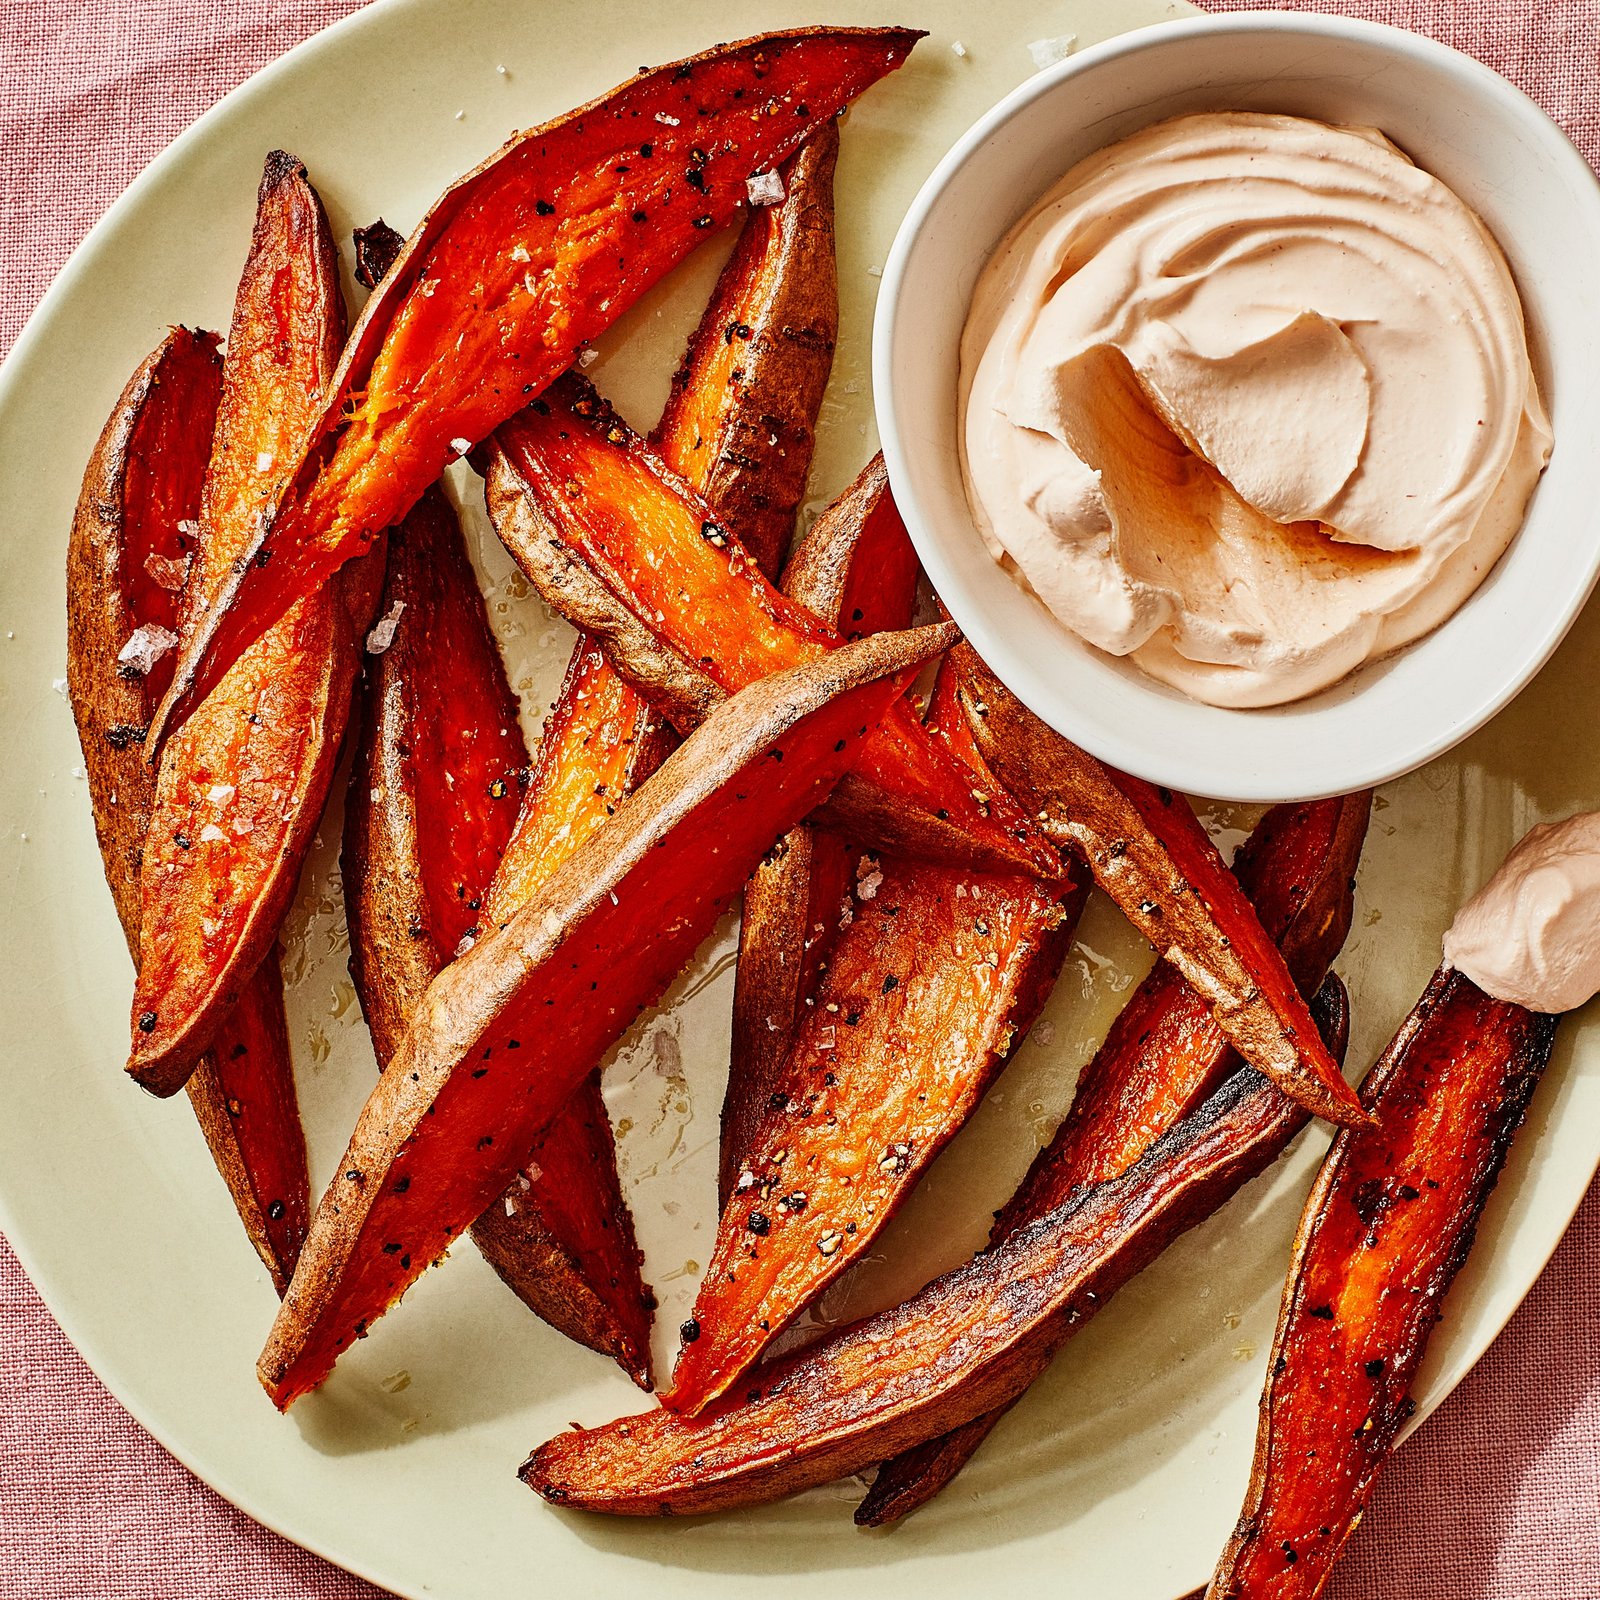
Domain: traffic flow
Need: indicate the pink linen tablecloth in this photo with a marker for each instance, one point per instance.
(1498, 1496)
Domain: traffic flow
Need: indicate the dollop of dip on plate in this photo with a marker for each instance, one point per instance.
(1531, 934)
(1247, 398)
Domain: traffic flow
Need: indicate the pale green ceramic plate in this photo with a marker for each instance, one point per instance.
(1121, 1473)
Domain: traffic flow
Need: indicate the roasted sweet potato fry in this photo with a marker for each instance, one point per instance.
(455, 1116)
(244, 1099)
(124, 568)
(434, 795)
(1162, 1056)
(519, 263)
(739, 421)
(571, 488)
(855, 571)
(602, 739)
(240, 793)
(965, 1344)
(1150, 854)
(1385, 1229)
(938, 975)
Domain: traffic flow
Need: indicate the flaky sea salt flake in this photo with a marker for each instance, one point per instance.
(958, 48)
(765, 188)
(146, 645)
(167, 572)
(384, 629)
(1047, 52)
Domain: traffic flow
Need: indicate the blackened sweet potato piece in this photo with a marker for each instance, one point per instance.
(240, 793)
(566, 475)
(740, 420)
(1150, 854)
(507, 1031)
(434, 796)
(125, 566)
(857, 572)
(1385, 1229)
(519, 263)
(964, 1345)
(1162, 1056)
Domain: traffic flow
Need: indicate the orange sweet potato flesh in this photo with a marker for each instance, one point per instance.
(856, 571)
(506, 1032)
(567, 477)
(240, 792)
(518, 264)
(124, 564)
(1162, 1056)
(1150, 854)
(1385, 1229)
(433, 800)
(967, 1343)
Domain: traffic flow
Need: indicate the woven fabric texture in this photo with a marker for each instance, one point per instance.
(1495, 1499)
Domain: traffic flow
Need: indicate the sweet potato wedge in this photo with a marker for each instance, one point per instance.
(457, 1113)
(434, 795)
(855, 571)
(603, 739)
(240, 792)
(740, 418)
(938, 975)
(519, 263)
(580, 500)
(965, 1344)
(1150, 854)
(1385, 1229)
(243, 1096)
(125, 565)
(1162, 1056)
(926, 993)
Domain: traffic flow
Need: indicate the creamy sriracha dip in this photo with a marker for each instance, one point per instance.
(1531, 934)
(1247, 399)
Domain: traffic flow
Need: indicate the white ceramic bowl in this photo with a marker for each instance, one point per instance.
(1454, 117)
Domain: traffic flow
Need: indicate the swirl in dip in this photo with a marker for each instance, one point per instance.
(1531, 934)
(1247, 398)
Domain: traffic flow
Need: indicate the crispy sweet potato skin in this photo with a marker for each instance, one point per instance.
(1148, 852)
(520, 262)
(965, 1344)
(1162, 1056)
(457, 1113)
(740, 420)
(1385, 1229)
(434, 795)
(143, 485)
(593, 515)
(240, 792)
(857, 572)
